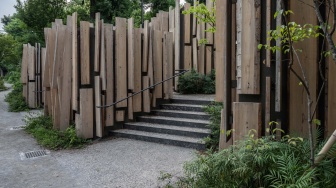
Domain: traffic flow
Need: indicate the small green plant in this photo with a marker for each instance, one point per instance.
(15, 99)
(195, 83)
(214, 110)
(2, 84)
(41, 127)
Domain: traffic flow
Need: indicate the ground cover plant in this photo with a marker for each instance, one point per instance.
(214, 111)
(41, 127)
(2, 84)
(193, 82)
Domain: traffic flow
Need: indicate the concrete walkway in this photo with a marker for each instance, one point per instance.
(110, 163)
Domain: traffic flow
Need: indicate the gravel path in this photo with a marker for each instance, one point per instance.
(110, 163)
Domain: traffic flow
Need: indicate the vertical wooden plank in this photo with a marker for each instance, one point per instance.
(85, 52)
(24, 66)
(225, 140)
(195, 54)
(97, 42)
(201, 57)
(47, 102)
(74, 97)
(187, 57)
(164, 21)
(31, 63)
(145, 47)
(239, 44)
(157, 57)
(55, 107)
(50, 46)
(208, 59)
(130, 107)
(58, 55)
(65, 78)
(194, 22)
(99, 126)
(150, 72)
(171, 19)
(137, 101)
(170, 64)
(177, 38)
(234, 95)
(121, 74)
(109, 74)
(146, 96)
(278, 64)
(120, 115)
(268, 28)
(250, 38)
(43, 61)
(102, 58)
(130, 53)
(187, 26)
(31, 95)
(267, 104)
(246, 117)
(209, 35)
(85, 128)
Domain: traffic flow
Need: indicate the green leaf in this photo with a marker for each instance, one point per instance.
(317, 121)
(260, 46)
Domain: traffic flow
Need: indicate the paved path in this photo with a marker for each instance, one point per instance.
(109, 163)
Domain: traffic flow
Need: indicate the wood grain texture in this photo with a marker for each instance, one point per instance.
(145, 46)
(85, 128)
(278, 64)
(43, 61)
(85, 52)
(164, 21)
(137, 99)
(177, 38)
(209, 35)
(146, 94)
(50, 45)
(120, 115)
(130, 54)
(246, 117)
(187, 25)
(267, 104)
(168, 64)
(31, 63)
(194, 21)
(109, 74)
(97, 42)
(121, 62)
(24, 66)
(75, 64)
(201, 53)
(31, 95)
(157, 63)
(208, 59)
(98, 102)
(187, 57)
(102, 57)
(130, 107)
(58, 55)
(195, 54)
(224, 140)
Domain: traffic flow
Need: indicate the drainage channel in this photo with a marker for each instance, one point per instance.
(34, 154)
(17, 128)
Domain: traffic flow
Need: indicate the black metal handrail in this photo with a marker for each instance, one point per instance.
(150, 87)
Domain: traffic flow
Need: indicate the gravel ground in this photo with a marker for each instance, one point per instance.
(109, 163)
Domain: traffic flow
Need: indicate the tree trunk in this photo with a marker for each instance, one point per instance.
(326, 148)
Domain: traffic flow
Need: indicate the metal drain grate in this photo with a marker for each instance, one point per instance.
(34, 154)
(17, 128)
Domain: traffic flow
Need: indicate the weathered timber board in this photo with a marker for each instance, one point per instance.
(74, 97)
(97, 42)
(109, 74)
(137, 100)
(102, 57)
(85, 128)
(85, 52)
(157, 63)
(146, 94)
(99, 125)
(145, 47)
(130, 53)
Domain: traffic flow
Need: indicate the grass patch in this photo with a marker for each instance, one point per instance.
(41, 127)
(15, 99)
(193, 82)
(214, 110)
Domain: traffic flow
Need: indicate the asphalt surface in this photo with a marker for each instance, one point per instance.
(110, 163)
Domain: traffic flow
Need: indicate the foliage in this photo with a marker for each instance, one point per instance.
(157, 5)
(83, 10)
(193, 82)
(41, 128)
(260, 162)
(214, 110)
(2, 84)
(15, 99)
(9, 58)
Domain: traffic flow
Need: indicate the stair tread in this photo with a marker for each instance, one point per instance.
(172, 127)
(177, 119)
(181, 112)
(160, 135)
(185, 105)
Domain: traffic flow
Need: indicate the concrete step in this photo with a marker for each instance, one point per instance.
(182, 114)
(188, 101)
(183, 107)
(184, 122)
(181, 141)
(168, 129)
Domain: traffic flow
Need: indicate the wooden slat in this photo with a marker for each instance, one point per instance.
(171, 19)
(31, 95)
(74, 97)
(120, 115)
(121, 74)
(109, 74)
(234, 95)
(267, 103)
(268, 28)
(99, 125)
(130, 53)
(164, 21)
(102, 58)
(177, 38)
(150, 72)
(167, 64)
(208, 59)
(250, 38)
(195, 54)
(50, 45)
(187, 57)
(137, 100)
(194, 21)
(58, 59)
(145, 47)
(85, 128)
(130, 107)
(239, 45)
(278, 64)
(24, 68)
(209, 35)
(97, 42)
(31, 63)
(187, 26)
(225, 140)
(146, 96)
(201, 55)
(43, 61)
(85, 52)
(65, 77)
(47, 102)
(157, 57)
(246, 117)
(55, 107)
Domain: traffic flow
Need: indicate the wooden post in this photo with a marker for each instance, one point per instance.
(75, 83)
(85, 52)
(187, 26)
(97, 41)
(145, 47)
(99, 125)
(157, 57)
(85, 128)
(130, 53)
(177, 38)
(137, 100)
(109, 74)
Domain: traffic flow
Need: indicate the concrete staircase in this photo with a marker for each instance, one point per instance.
(180, 123)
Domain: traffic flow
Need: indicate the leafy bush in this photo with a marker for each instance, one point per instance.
(41, 127)
(195, 83)
(2, 84)
(262, 162)
(15, 99)
(214, 110)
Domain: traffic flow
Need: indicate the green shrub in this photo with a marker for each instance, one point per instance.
(214, 110)
(2, 84)
(262, 162)
(193, 82)
(16, 100)
(41, 127)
